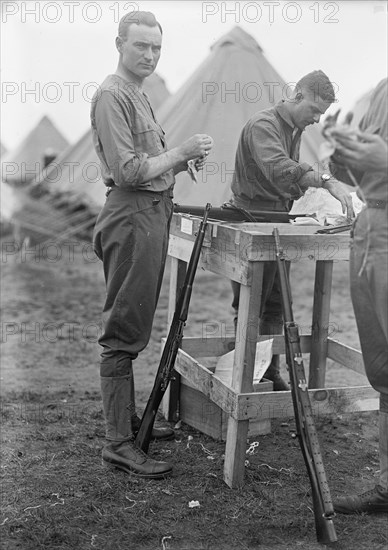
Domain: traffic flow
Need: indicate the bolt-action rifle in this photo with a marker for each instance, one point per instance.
(173, 342)
(306, 431)
(235, 214)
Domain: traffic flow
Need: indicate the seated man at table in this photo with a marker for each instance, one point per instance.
(269, 176)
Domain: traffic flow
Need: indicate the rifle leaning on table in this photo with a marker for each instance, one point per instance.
(230, 213)
(173, 342)
(307, 434)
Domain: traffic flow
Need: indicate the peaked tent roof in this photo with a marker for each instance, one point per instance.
(233, 82)
(77, 171)
(156, 89)
(28, 156)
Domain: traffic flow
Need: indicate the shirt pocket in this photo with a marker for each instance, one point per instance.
(145, 138)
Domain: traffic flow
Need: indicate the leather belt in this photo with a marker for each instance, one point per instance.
(376, 203)
(167, 193)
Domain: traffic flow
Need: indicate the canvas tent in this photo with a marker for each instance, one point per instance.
(76, 173)
(232, 83)
(22, 165)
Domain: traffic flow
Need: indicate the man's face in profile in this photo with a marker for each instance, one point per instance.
(308, 109)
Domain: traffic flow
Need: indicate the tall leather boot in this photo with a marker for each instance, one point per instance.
(273, 374)
(375, 500)
(121, 452)
(158, 433)
(273, 371)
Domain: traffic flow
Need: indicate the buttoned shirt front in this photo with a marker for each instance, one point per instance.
(125, 135)
(264, 169)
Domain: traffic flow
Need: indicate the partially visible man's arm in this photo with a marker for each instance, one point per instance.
(367, 153)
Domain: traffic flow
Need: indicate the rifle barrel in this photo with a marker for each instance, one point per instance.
(235, 214)
(307, 434)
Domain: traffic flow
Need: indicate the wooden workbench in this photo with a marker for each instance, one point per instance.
(237, 251)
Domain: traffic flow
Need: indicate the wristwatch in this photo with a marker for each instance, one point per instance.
(325, 178)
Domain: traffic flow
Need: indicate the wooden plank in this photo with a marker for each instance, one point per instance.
(199, 411)
(207, 346)
(323, 402)
(235, 449)
(247, 331)
(299, 246)
(216, 346)
(247, 242)
(242, 377)
(269, 405)
(204, 380)
(179, 248)
(320, 323)
(347, 356)
(233, 259)
(212, 259)
(300, 242)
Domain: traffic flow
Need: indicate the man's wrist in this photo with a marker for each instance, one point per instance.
(178, 155)
(325, 179)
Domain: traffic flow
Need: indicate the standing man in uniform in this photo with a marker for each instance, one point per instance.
(269, 176)
(131, 233)
(367, 155)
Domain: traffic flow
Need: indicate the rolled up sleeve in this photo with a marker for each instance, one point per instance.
(126, 165)
(266, 148)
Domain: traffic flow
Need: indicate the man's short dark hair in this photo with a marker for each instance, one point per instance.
(137, 18)
(318, 84)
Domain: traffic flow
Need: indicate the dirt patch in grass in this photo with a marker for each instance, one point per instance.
(57, 495)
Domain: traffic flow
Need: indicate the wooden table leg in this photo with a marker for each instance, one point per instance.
(243, 369)
(320, 323)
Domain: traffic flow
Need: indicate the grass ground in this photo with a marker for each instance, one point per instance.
(55, 492)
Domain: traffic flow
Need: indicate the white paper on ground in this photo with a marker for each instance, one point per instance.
(224, 367)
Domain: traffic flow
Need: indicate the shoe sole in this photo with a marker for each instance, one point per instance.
(112, 466)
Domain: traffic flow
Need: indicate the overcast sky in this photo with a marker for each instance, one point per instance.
(54, 53)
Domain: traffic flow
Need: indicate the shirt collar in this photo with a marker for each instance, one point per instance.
(282, 111)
